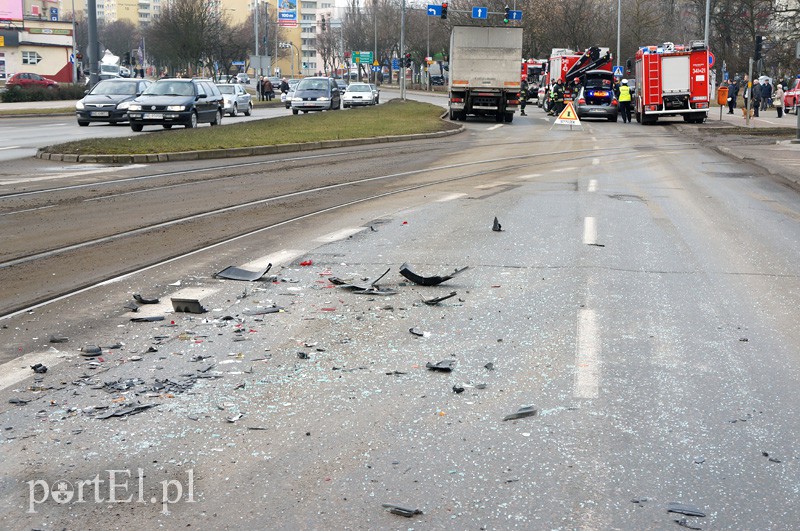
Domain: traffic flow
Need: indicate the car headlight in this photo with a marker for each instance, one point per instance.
(79, 105)
(134, 106)
(177, 108)
(124, 105)
(323, 98)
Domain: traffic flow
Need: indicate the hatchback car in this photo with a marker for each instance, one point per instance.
(108, 101)
(316, 94)
(236, 99)
(358, 94)
(29, 80)
(243, 78)
(177, 101)
(596, 98)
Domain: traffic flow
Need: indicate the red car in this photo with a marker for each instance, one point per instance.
(29, 79)
(791, 96)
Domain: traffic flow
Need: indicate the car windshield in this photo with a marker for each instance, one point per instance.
(598, 83)
(359, 88)
(170, 88)
(313, 84)
(115, 89)
(227, 89)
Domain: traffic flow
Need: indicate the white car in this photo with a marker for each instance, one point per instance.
(236, 99)
(376, 91)
(286, 97)
(358, 94)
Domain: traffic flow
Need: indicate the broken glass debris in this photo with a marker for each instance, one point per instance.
(236, 273)
(123, 411)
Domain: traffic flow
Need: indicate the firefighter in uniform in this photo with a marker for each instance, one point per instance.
(523, 96)
(625, 100)
(557, 97)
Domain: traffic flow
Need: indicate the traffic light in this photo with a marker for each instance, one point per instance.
(759, 47)
(323, 22)
(408, 60)
(444, 9)
(507, 15)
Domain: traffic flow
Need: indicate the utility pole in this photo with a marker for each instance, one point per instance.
(255, 30)
(402, 71)
(619, 29)
(92, 51)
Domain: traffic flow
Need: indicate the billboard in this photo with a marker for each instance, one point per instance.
(10, 9)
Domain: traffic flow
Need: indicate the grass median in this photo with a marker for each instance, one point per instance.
(394, 117)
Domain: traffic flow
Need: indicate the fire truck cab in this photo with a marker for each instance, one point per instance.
(672, 80)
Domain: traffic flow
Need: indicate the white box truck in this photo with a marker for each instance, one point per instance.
(484, 72)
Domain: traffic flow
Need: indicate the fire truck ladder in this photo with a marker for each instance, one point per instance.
(653, 78)
(591, 60)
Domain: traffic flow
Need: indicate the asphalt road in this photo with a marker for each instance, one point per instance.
(641, 296)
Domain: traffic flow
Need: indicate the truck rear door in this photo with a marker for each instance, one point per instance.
(675, 74)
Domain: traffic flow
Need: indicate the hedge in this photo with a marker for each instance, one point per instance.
(62, 92)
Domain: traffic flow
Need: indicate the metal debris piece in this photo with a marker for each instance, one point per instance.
(150, 319)
(236, 273)
(58, 339)
(685, 523)
(496, 227)
(405, 270)
(131, 306)
(141, 300)
(90, 351)
(437, 300)
(525, 411)
(187, 306)
(124, 411)
(400, 510)
(442, 366)
(39, 368)
(264, 311)
(368, 284)
(489, 366)
(682, 508)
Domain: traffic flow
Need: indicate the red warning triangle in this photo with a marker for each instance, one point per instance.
(568, 116)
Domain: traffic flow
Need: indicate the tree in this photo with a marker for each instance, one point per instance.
(120, 36)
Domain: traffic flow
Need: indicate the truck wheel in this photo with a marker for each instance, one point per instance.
(453, 115)
(509, 117)
(498, 117)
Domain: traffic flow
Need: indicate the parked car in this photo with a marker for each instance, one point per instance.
(108, 101)
(437, 80)
(243, 78)
(177, 101)
(236, 99)
(286, 98)
(29, 80)
(376, 91)
(341, 83)
(596, 98)
(316, 94)
(358, 94)
(791, 95)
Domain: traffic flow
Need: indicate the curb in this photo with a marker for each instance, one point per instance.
(182, 156)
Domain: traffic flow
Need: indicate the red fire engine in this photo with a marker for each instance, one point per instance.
(565, 65)
(672, 80)
(533, 72)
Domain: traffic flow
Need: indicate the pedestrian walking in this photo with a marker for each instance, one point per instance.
(756, 92)
(267, 89)
(778, 99)
(733, 92)
(766, 94)
(523, 96)
(259, 84)
(625, 101)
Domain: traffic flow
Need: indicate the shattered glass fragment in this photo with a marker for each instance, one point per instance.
(235, 273)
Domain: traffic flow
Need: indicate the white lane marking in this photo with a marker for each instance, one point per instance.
(592, 186)
(595, 162)
(339, 235)
(492, 128)
(562, 170)
(594, 139)
(589, 231)
(491, 185)
(18, 369)
(595, 147)
(529, 176)
(587, 356)
(27, 210)
(281, 257)
(451, 197)
(10, 147)
(72, 174)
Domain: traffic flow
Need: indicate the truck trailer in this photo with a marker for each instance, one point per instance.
(484, 72)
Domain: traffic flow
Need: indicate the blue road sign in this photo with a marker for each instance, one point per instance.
(395, 64)
(618, 71)
(376, 69)
(434, 10)
(237, 63)
(479, 12)
(515, 15)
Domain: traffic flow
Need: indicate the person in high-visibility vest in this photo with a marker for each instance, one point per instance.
(625, 100)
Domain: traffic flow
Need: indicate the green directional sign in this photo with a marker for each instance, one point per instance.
(362, 57)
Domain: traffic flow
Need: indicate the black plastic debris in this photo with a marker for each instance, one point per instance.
(771, 459)
(187, 306)
(396, 373)
(458, 389)
(365, 285)
(525, 411)
(18, 401)
(302, 355)
(237, 273)
(150, 319)
(39, 368)
(416, 332)
(264, 311)
(682, 508)
(596, 244)
(496, 227)
(437, 300)
(123, 411)
(685, 523)
(90, 351)
(141, 300)
(58, 339)
(442, 366)
(400, 510)
(131, 306)
(406, 271)
(489, 366)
